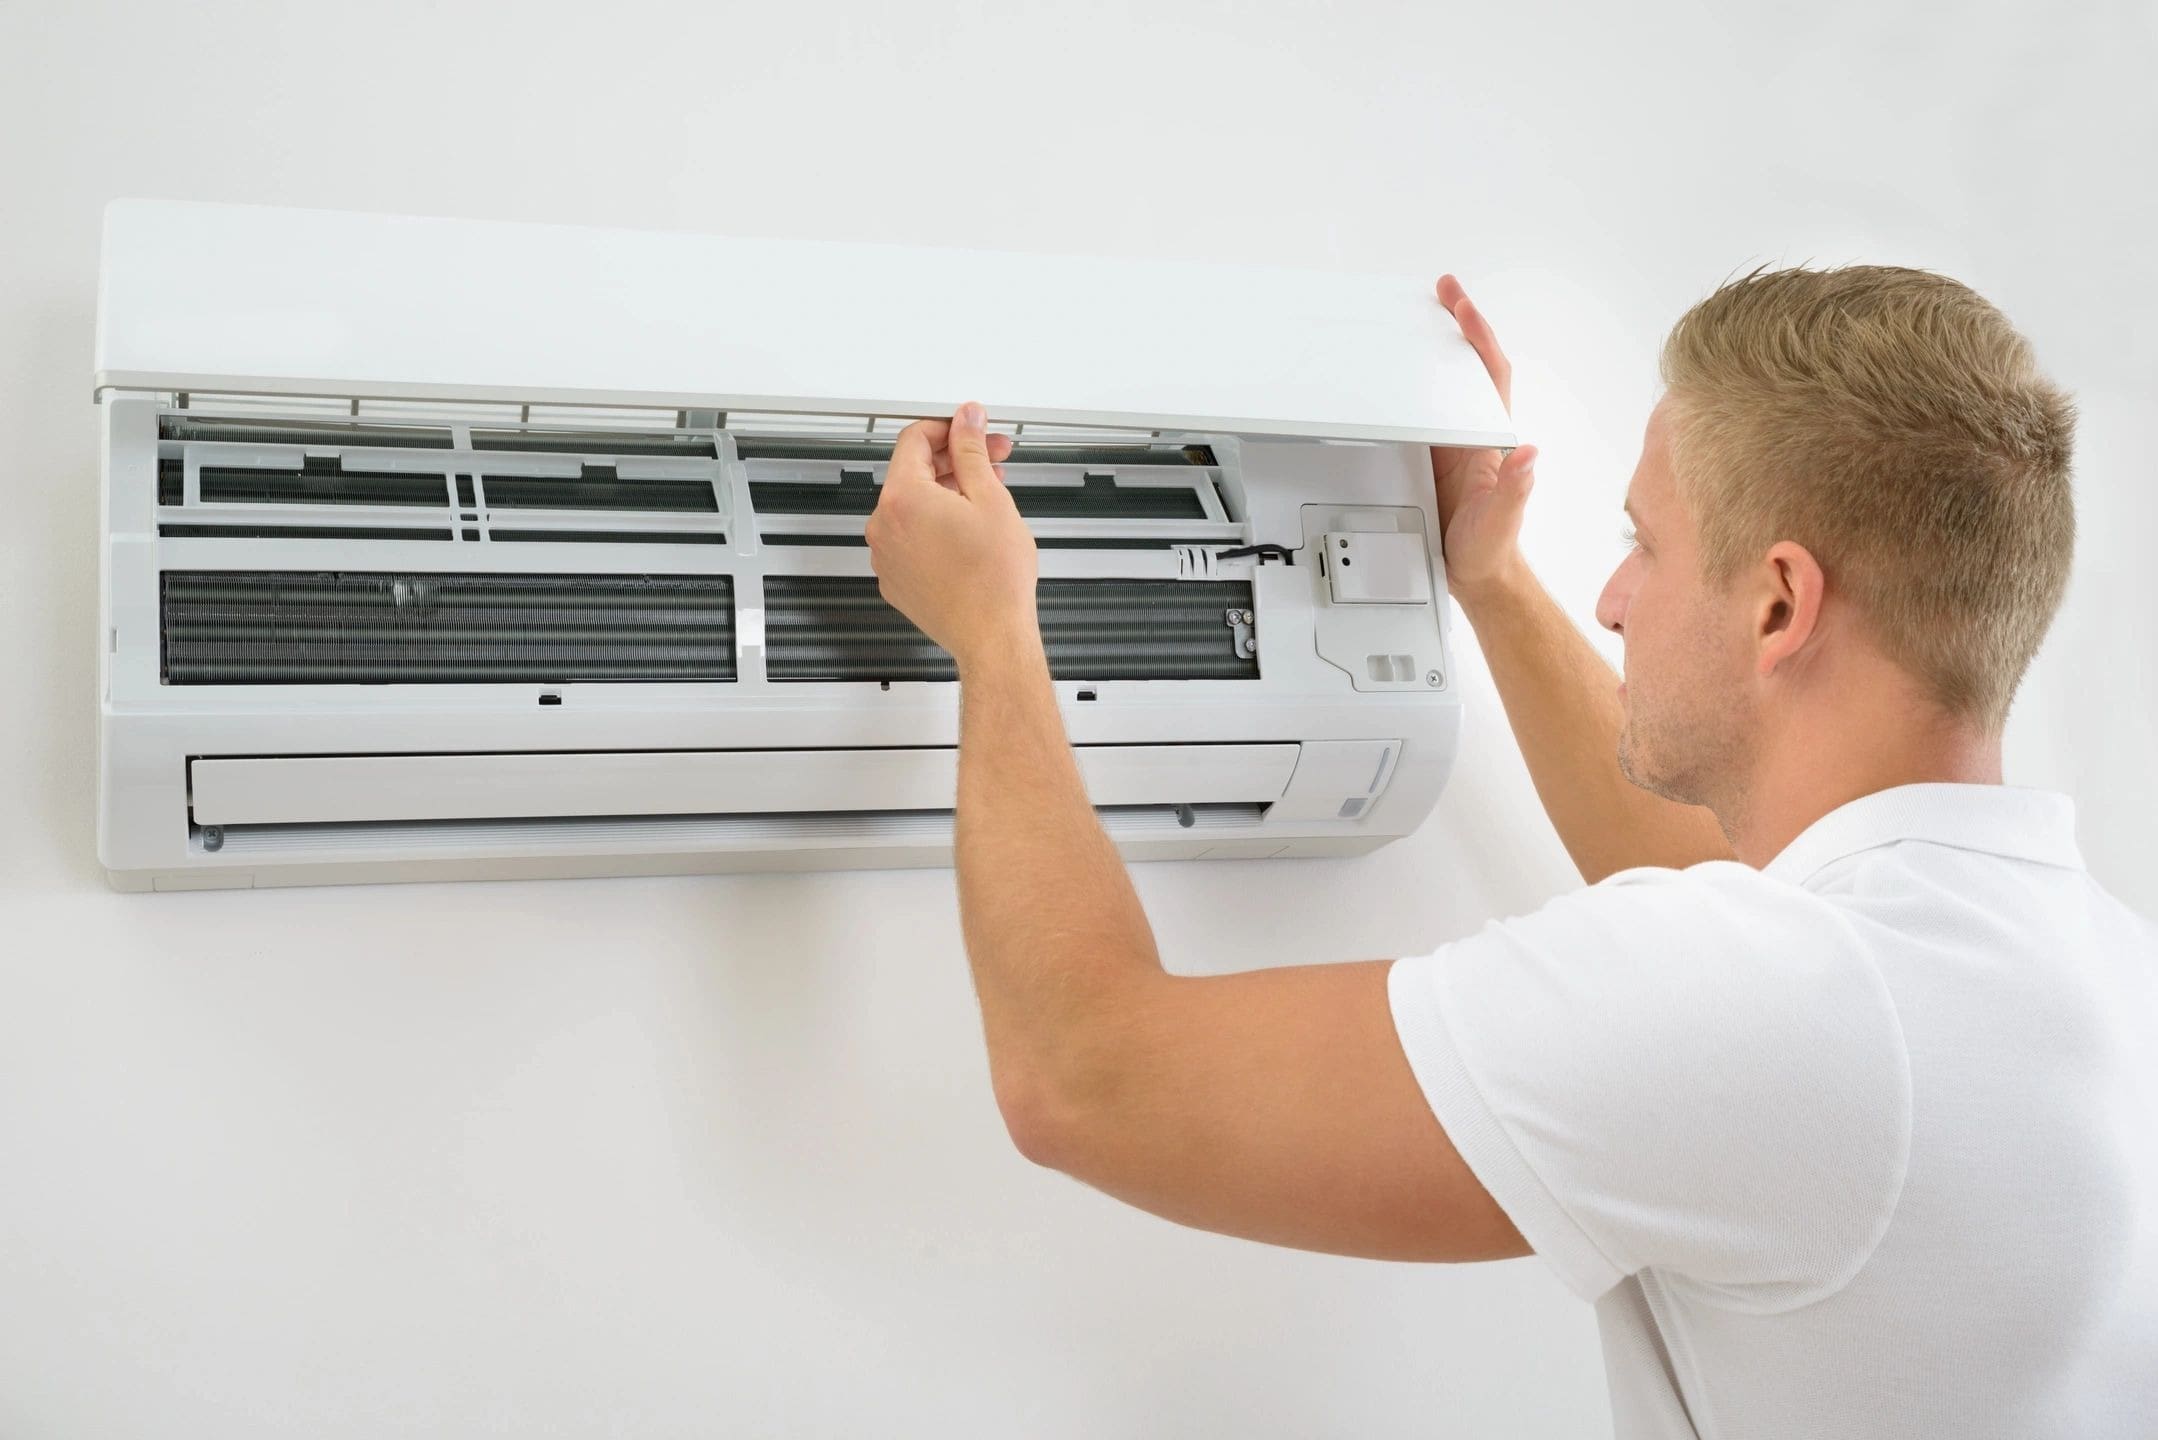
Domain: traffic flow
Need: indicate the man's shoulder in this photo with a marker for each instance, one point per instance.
(1713, 900)
(1703, 1069)
(1720, 932)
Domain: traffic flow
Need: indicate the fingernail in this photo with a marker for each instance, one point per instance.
(971, 416)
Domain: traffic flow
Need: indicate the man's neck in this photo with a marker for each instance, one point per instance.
(1809, 768)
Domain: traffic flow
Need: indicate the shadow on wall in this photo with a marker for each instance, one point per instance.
(54, 606)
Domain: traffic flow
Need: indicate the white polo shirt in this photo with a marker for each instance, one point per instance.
(1864, 1143)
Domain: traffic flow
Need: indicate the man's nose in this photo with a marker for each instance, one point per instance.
(1611, 605)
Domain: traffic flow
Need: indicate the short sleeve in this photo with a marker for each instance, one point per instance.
(1699, 1071)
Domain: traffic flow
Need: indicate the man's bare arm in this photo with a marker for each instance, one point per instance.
(1560, 696)
(1277, 1105)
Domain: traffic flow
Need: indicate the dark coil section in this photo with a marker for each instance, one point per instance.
(290, 628)
(839, 628)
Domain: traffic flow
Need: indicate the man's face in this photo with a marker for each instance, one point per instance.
(1687, 697)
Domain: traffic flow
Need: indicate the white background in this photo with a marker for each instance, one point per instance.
(710, 1156)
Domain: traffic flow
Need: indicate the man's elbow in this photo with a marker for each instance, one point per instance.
(1046, 1124)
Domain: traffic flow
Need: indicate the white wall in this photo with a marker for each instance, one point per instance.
(708, 1156)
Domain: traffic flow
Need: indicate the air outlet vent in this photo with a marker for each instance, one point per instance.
(839, 628)
(291, 628)
(703, 833)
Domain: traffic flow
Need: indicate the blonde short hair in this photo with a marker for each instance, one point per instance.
(1895, 424)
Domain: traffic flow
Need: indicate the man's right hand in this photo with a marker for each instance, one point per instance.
(1560, 697)
(1481, 495)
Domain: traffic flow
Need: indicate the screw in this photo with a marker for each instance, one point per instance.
(1433, 677)
(213, 837)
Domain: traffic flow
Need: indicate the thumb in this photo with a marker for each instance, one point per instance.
(1510, 493)
(969, 447)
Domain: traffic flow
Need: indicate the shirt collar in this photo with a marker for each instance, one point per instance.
(2021, 824)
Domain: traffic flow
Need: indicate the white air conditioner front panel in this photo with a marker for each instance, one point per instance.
(316, 789)
(265, 300)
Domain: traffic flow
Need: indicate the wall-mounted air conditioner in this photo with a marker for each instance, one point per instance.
(440, 549)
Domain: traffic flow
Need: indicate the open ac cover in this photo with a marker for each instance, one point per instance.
(439, 549)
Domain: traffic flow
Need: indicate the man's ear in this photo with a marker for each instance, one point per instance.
(1791, 594)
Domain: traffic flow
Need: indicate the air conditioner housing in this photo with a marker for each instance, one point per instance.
(443, 549)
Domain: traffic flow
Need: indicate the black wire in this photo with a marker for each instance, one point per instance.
(1265, 552)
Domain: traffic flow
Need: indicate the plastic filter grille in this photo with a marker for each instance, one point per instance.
(840, 628)
(356, 478)
(264, 628)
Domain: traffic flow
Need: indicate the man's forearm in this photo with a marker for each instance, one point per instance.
(1562, 701)
(1057, 939)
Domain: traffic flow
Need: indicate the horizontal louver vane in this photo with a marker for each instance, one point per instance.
(839, 628)
(262, 628)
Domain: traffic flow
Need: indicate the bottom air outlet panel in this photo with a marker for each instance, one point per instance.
(840, 628)
(314, 789)
(580, 837)
(289, 628)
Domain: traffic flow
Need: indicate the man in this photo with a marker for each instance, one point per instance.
(1837, 1089)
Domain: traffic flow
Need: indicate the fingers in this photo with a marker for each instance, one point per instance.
(969, 445)
(1481, 337)
(915, 454)
(1000, 450)
(946, 452)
